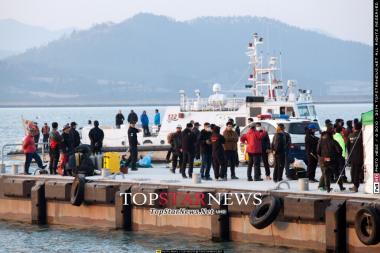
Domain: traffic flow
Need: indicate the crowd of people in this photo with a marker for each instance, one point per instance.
(336, 147)
(144, 119)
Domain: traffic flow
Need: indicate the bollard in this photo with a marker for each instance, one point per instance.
(303, 184)
(196, 178)
(14, 169)
(38, 204)
(2, 168)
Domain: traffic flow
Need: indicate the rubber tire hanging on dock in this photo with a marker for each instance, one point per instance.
(368, 217)
(77, 190)
(264, 214)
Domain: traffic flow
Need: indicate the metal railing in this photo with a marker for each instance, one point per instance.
(203, 104)
(3, 154)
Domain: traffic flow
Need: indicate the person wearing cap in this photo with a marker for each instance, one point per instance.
(45, 130)
(55, 140)
(311, 143)
(230, 147)
(96, 136)
(133, 143)
(253, 139)
(74, 134)
(205, 151)
(188, 150)
(355, 145)
(175, 142)
(119, 119)
(196, 131)
(30, 151)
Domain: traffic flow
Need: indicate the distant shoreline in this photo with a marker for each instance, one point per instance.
(151, 104)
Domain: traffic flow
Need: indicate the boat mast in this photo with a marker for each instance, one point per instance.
(264, 81)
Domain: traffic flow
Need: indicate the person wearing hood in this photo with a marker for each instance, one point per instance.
(253, 139)
(355, 144)
(119, 119)
(328, 151)
(30, 151)
(204, 141)
(188, 150)
(74, 134)
(219, 162)
(230, 147)
(145, 123)
(96, 136)
(132, 117)
(311, 143)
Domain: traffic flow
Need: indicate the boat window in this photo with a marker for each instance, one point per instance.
(290, 111)
(254, 111)
(303, 111)
(282, 110)
(312, 110)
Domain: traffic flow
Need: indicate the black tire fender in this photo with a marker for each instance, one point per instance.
(77, 190)
(264, 214)
(367, 225)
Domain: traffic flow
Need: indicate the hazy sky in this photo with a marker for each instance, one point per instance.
(345, 19)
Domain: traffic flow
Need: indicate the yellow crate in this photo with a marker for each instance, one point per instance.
(111, 161)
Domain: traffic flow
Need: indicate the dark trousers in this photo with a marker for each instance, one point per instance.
(132, 159)
(176, 156)
(187, 158)
(254, 161)
(231, 160)
(279, 164)
(118, 126)
(264, 156)
(287, 162)
(168, 155)
(54, 159)
(327, 173)
(337, 172)
(28, 159)
(236, 158)
(96, 148)
(219, 165)
(146, 130)
(206, 165)
(45, 140)
(312, 163)
(356, 170)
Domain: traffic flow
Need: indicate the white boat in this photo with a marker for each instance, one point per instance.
(268, 96)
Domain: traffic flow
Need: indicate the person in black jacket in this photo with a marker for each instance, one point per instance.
(188, 150)
(311, 143)
(329, 152)
(355, 145)
(74, 135)
(119, 119)
(132, 117)
(176, 147)
(219, 162)
(205, 151)
(265, 147)
(196, 131)
(279, 150)
(96, 137)
(67, 148)
(133, 142)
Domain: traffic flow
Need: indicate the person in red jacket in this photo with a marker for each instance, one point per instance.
(253, 139)
(29, 148)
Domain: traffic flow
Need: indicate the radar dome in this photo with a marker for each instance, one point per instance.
(216, 87)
